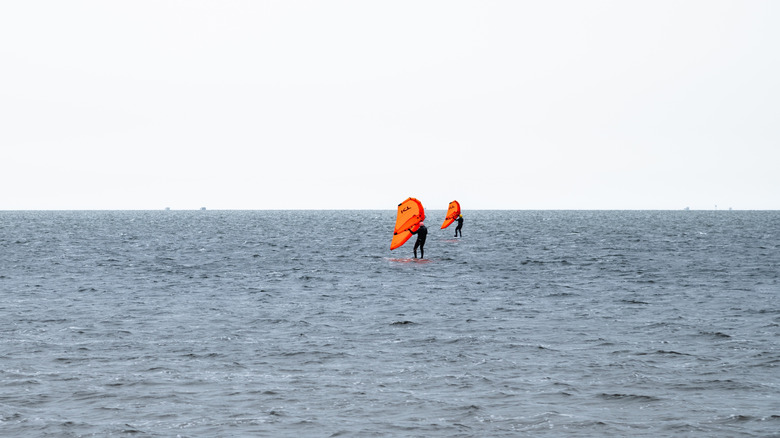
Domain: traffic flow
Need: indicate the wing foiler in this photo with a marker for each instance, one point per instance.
(452, 214)
(410, 214)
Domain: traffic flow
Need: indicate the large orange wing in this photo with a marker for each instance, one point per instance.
(410, 214)
(452, 213)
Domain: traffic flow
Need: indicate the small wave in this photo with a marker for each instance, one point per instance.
(131, 429)
(771, 363)
(562, 294)
(735, 418)
(672, 353)
(201, 356)
(715, 334)
(22, 382)
(629, 397)
(664, 352)
(633, 302)
(544, 262)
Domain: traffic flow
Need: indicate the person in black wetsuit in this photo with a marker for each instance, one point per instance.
(460, 225)
(421, 233)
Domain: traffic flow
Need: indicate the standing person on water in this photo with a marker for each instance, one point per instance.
(460, 225)
(421, 233)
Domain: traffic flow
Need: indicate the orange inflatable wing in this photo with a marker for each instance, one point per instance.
(452, 213)
(410, 214)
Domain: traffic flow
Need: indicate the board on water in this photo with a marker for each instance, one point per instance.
(409, 260)
(410, 214)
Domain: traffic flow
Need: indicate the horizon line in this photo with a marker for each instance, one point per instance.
(386, 209)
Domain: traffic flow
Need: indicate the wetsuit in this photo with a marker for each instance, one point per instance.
(460, 225)
(421, 233)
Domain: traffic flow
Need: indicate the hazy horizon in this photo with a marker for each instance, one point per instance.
(387, 209)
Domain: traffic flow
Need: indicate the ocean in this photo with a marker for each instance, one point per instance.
(304, 323)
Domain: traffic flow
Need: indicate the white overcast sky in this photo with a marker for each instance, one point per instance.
(361, 104)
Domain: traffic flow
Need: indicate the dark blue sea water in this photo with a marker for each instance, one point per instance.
(304, 323)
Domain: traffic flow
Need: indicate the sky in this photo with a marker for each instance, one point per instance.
(360, 104)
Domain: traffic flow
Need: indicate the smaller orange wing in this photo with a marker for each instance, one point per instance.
(452, 213)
